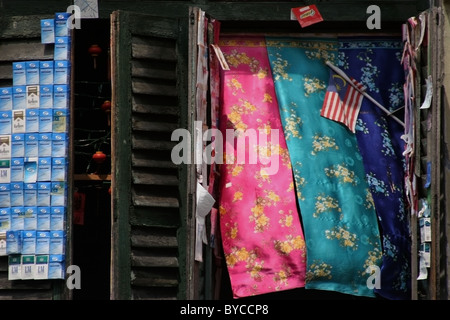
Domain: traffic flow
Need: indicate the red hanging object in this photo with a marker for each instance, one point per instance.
(99, 157)
(106, 106)
(94, 50)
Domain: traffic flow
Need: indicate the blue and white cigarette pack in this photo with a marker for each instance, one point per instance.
(32, 120)
(43, 218)
(30, 219)
(45, 144)
(60, 120)
(41, 266)
(62, 72)
(30, 170)
(17, 195)
(56, 266)
(46, 96)
(28, 241)
(57, 218)
(18, 121)
(6, 122)
(17, 145)
(19, 77)
(5, 146)
(57, 242)
(59, 145)
(30, 194)
(61, 96)
(44, 169)
(43, 194)
(5, 195)
(17, 169)
(46, 72)
(6, 98)
(13, 241)
(47, 31)
(62, 48)
(32, 72)
(14, 266)
(61, 28)
(19, 97)
(42, 242)
(59, 169)
(17, 216)
(28, 266)
(5, 170)
(32, 144)
(32, 96)
(5, 219)
(45, 120)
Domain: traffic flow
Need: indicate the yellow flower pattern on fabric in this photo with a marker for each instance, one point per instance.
(341, 172)
(318, 269)
(235, 86)
(300, 181)
(262, 73)
(237, 170)
(325, 203)
(261, 220)
(279, 69)
(286, 219)
(262, 177)
(346, 239)
(282, 277)
(312, 85)
(291, 243)
(369, 203)
(292, 126)
(237, 196)
(237, 255)
(321, 54)
(236, 58)
(323, 143)
(232, 230)
(264, 127)
(267, 98)
(285, 158)
(374, 258)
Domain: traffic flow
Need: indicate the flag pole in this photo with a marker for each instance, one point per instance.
(343, 75)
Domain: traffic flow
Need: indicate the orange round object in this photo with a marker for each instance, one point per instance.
(99, 157)
(106, 106)
(94, 50)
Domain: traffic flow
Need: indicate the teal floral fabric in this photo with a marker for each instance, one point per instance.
(343, 244)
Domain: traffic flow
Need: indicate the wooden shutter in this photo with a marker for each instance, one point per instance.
(149, 75)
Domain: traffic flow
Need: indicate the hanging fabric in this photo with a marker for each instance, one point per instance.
(377, 62)
(260, 226)
(339, 219)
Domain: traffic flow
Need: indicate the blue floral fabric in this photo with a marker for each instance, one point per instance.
(342, 235)
(375, 62)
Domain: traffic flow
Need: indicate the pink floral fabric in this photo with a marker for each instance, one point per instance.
(262, 237)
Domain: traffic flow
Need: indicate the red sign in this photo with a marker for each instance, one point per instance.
(307, 16)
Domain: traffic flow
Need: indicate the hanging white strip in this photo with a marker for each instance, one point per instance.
(205, 203)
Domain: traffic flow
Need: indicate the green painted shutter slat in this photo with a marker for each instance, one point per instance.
(148, 99)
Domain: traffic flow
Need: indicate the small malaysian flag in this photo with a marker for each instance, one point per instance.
(342, 100)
